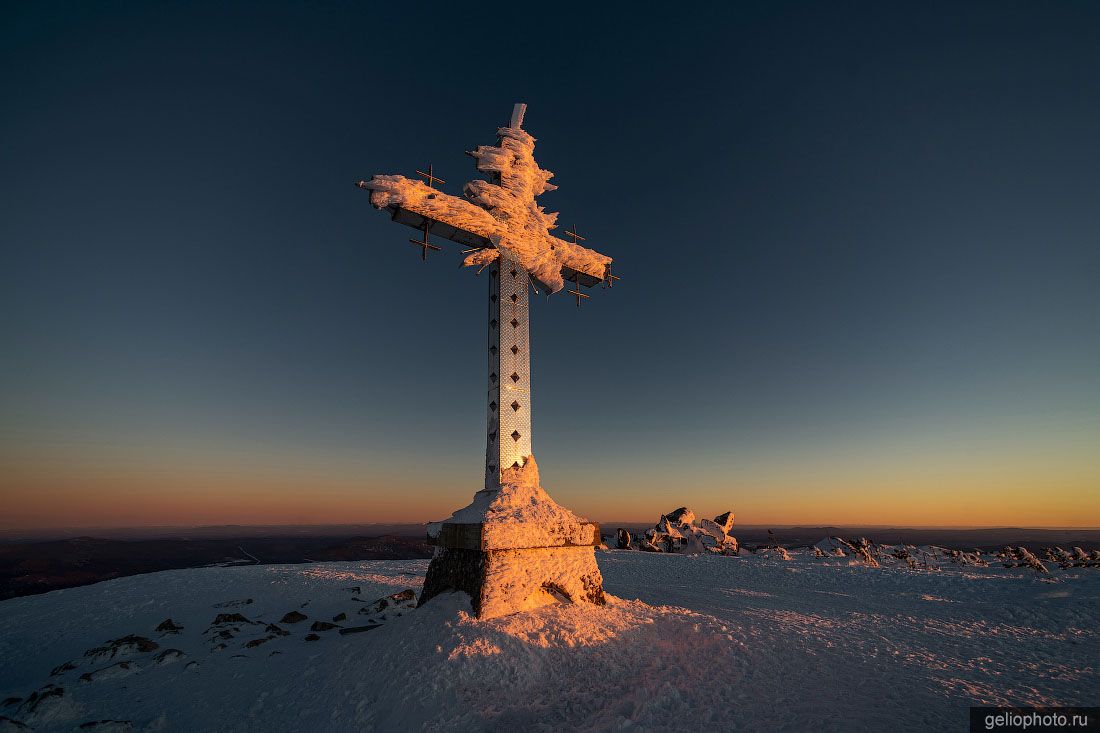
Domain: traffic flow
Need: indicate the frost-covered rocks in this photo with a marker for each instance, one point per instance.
(396, 603)
(124, 646)
(680, 531)
(293, 617)
(1021, 557)
(1075, 558)
(168, 626)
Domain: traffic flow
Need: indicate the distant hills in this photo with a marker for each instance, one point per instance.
(37, 562)
(27, 568)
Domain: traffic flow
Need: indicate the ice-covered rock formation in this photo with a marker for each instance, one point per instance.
(680, 531)
(834, 547)
(1021, 557)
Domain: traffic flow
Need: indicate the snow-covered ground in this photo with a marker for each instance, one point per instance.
(695, 643)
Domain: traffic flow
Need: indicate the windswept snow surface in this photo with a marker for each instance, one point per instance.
(691, 643)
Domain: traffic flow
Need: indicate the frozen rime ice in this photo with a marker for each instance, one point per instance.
(680, 531)
(503, 210)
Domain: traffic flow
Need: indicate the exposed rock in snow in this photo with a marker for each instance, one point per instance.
(127, 645)
(622, 539)
(293, 617)
(395, 603)
(168, 627)
(107, 726)
(680, 531)
(925, 558)
(49, 704)
(1021, 557)
(972, 559)
(118, 669)
(775, 551)
(59, 669)
(168, 656)
(1077, 558)
(835, 546)
(866, 552)
(358, 629)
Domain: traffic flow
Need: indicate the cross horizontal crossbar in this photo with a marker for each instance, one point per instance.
(439, 228)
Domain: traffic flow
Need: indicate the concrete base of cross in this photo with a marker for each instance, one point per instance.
(501, 581)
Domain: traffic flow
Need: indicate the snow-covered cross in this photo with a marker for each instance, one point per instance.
(508, 232)
(499, 217)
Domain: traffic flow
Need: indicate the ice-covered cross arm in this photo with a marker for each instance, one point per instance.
(498, 216)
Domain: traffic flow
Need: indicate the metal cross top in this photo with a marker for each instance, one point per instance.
(498, 217)
(504, 229)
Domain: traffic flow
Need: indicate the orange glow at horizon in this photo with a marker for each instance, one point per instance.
(144, 497)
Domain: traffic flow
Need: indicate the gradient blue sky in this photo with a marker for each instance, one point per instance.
(860, 246)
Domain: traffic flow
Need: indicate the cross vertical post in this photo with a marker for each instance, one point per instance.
(508, 442)
(512, 521)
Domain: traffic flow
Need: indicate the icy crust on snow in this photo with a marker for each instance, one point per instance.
(505, 213)
(520, 514)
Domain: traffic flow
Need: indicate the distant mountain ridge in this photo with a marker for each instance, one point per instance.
(27, 568)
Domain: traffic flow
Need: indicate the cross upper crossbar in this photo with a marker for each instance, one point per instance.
(499, 217)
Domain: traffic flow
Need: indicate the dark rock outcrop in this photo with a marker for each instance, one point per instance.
(358, 629)
(131, 644)
(169, 627)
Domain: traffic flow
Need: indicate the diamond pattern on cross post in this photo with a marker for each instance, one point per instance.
(508, 302)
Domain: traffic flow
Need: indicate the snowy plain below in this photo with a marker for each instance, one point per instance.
(688, 643)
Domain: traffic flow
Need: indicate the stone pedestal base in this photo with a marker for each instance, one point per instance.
(500, 582)
(514, 549)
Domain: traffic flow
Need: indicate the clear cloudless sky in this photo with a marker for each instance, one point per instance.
(859, 242)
